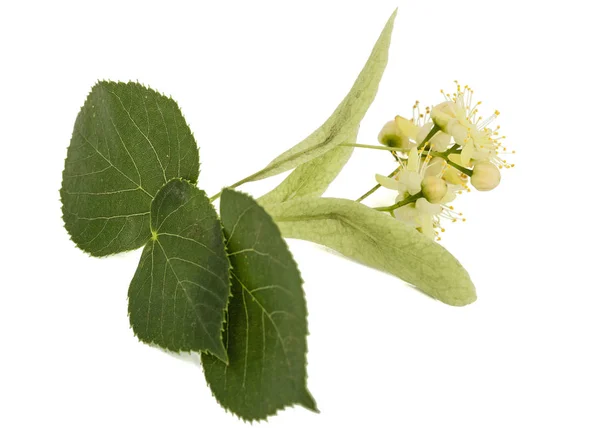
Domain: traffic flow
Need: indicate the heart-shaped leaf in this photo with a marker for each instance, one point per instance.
(128, 141)
(179, 293)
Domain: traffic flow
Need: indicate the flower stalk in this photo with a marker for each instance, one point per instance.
(377, 186)
(405, 201)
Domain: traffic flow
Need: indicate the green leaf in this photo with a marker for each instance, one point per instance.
(345, 119)
(377, 240)
(128, 141)
(311, 178)
(266, 324)
(179, 293)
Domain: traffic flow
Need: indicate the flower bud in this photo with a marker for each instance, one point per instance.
(434, 189)
(486, 176)
(444, 114)
(392, 136)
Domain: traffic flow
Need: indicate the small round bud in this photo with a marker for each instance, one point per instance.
(434, 189)
(444, 114)
(486, 176)
(391, 136)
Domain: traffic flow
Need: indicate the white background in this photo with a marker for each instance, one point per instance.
(254, 78)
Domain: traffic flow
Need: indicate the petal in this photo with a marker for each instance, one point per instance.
(387, 182)
(425, 207)
(459, 132)
(414, 183)
(440, 142)
(402, 192)
(467, 153)
(407, 127)
(413, 160)
(450, 194)
(435, 167)
(453, 176)
(424, 131)
(407, 214)
(426, 223)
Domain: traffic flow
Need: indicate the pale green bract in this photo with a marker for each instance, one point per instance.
(344, 120)
(377, 240)
(266, 319)
(179, 293)
(128, 141)
(311, 178)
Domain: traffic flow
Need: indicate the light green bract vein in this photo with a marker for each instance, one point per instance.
(128, 141)
(266, 324)
(179, 293)
(344, 121)
(377, 240)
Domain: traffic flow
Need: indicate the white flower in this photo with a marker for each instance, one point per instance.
(409, 181)
(457, 116)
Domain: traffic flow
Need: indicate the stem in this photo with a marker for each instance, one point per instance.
(429, 136)
(234, 185)
(367, 146)
(454, 149)
(460, 168)
(377, 186)
(406, 201)
(444, 155)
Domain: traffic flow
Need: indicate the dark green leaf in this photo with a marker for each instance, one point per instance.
(266, 325)
(178, 296)
(128, 141)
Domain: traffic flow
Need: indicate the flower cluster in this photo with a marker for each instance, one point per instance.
(442, 152)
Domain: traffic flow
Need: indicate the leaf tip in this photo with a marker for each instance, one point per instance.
(307, 401)
(221, 354)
